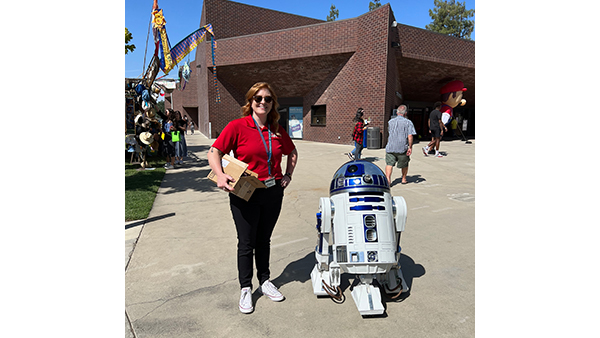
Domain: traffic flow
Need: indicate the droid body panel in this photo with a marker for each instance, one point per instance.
(361, 222)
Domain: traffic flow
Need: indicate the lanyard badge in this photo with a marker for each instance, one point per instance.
(269, 182)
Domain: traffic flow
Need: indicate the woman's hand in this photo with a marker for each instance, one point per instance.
(223, 182)
(214, 161)
(285, 181)
(292, 160)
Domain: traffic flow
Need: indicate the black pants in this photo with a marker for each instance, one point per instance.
(255, 221)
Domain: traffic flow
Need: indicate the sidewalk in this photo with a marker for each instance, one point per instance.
(181, 275)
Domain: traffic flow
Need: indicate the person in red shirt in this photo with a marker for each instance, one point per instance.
(357, 135)
(258, 140)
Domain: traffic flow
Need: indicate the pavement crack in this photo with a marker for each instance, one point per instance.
(165, 301)
(294, 253)
(129, 323)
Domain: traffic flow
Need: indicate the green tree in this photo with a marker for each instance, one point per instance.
(333, 13)
(160, 105)
(128, 37)
(452, 18)
(374, 4)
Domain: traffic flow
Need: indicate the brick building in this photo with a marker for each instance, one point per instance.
(323, 71)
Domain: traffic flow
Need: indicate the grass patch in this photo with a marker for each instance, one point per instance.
(141, 187)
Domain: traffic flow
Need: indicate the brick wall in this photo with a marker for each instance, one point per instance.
(362, 82)
(231, 19)
(430, 46)
(308, 41)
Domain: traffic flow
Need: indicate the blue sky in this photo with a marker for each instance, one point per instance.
(183, 17)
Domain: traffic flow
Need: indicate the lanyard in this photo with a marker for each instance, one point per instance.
(269, 150)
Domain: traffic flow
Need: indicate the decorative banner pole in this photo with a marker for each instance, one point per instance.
(170, 57)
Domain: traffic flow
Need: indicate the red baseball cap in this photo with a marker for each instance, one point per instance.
(454, 86)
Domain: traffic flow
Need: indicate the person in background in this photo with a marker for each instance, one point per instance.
(357, 135)
(180, 146)
(454, 125)
(436, 128)
(400, 142)
(169, 147)
(258, 140)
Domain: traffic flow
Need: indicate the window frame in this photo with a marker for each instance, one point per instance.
(318, 108)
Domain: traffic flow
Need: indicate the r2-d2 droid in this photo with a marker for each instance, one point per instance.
(362, 223)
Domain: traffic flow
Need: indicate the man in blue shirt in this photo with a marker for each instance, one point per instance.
(400, 142)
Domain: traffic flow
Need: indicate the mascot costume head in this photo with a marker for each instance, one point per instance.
(451, 96)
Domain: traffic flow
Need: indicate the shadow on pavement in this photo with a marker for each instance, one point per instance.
(190, 179)
(409, 179)
(300, 270)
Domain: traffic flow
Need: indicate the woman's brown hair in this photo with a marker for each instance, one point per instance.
(273, 115)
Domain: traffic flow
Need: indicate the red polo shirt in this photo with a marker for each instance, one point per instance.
(243, 138)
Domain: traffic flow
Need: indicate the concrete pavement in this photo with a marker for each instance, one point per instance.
(180, 263)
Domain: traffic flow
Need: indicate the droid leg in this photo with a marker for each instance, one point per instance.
(321, 271)
(394, 282)
(367, 297)
(322, 277)
(403, 281)
(326, 282)
(394, 278)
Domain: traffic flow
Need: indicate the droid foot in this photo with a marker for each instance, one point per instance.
(368, 300)
(317, 277)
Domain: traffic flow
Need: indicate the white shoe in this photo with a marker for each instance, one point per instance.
(270, 290)
(246, 301)
(425, 151)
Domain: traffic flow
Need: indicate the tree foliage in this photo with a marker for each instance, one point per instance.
(160, 105)
(128, 37)
(374, 4)
(451, 18)
(333, 13)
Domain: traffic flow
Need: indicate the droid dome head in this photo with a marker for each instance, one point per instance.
(358, 176)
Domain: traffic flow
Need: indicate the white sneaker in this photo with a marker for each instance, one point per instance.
(270, 290)
(425, 151)
(246, 301)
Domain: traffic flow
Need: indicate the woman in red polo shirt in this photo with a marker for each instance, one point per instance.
(259, 140)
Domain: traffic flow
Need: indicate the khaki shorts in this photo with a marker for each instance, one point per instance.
(401, 159)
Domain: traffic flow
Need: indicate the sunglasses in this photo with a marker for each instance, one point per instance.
(258, 99)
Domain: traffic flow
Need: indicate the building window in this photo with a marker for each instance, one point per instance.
(318, 115)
